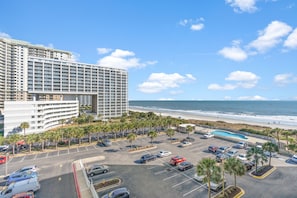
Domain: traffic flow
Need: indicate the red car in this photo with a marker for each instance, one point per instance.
(3, 159)
(177, 160)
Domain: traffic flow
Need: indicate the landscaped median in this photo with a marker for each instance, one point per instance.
(105, 184)
(141, 148)
(267, 173)
(231, 192)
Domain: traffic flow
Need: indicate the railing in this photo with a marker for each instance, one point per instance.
(88, 182)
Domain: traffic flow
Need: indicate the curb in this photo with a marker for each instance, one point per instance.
(75, 181)
(242, 192)
(265, 175)
(145, 149)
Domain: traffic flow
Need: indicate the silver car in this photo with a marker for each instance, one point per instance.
(97, 169)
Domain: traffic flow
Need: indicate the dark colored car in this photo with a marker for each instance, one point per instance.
(189, 139)
(248, 165)
(221, 156)
(118, 193)
(96, 169)
(185, 166)
(147, 157)
(177, 160)
(212, 149)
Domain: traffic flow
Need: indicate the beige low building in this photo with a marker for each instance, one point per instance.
(183, 127)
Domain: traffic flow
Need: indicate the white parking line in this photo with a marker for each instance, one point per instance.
(193, 190)
(167, 178)
(181, 183)
(150, 168)
(160, 172)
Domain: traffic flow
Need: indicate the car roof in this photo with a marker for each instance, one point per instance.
(119, 190)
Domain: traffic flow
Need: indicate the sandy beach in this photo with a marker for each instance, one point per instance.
(187, 116)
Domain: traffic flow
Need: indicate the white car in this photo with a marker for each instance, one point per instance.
(240, 145)
(163, 153)
(232, 152)
(199, 178)
(294, 158)
(208, 135)
(185, 143)
(242, 157)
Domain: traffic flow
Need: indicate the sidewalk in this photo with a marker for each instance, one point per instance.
(82, 184)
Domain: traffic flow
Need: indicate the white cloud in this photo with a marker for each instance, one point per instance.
(251, 98)
(158, 82)
(291, 41)
(103, 50)
(234, 53)
(197, 27)
(122, 59)
(75, 56)
(194, 24)
(166, 99)
(283, 79)
(242, 5)
(270, 36)
(4, 35)
(241, 79)
(221, 87)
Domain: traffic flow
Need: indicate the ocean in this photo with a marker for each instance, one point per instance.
(274, 112)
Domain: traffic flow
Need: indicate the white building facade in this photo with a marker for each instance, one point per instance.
(32, 74)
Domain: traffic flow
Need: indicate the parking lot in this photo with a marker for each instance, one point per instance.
(158, 177)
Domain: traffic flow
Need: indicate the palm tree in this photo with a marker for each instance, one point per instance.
(13, 139)
(235, 167)
(29, 139)
(24, 126)
(189, 129)
(210, 170)
(152, 135)
(258, 155)
(170, 132)
(131, 137)
(270, 147)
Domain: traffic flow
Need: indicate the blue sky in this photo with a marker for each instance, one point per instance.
(173, 50)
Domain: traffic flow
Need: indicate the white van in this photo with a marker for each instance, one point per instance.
(14, 188)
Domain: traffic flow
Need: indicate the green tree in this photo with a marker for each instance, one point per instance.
(152, 135)
(257, 154)
(189, 129)
(131, 137)
(207, 167)
(30, 139)
(24, 126)
(235, 167)
(13, 139)
(170, 132)
(270, 147)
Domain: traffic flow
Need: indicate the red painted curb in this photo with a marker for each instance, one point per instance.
(75, 181)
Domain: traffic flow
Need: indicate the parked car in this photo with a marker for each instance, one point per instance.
(248, 165)
(4, 148)
(163, 153)
(241, 145)
(96, 169)
(213, 149)
(268, 154)
(106, 142)
(118, 193)
(147, 157)
(208, 135)
(198, 178)
(232, 152)
(185, 144)
(185, 166)
(294, 158)
(242, 157)
(29, 185)
(3, 159)
(32, 168)
(190, 139)
(21, 176)
(216, 186)
(221, 156)
(223, 149)
(177, 160)
(29, 194)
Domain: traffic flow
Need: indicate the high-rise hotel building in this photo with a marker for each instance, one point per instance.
(43, 86)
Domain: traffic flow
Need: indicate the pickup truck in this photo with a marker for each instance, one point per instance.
(147, 157)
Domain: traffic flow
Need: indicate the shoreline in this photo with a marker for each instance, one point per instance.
(188, 116)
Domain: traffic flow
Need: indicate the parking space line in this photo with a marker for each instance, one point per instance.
(22, 159)
(160, 172)
(150, 168)
(181, 183)
(77, 150)
(193, 190)
(35, 157)
(167, 178)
